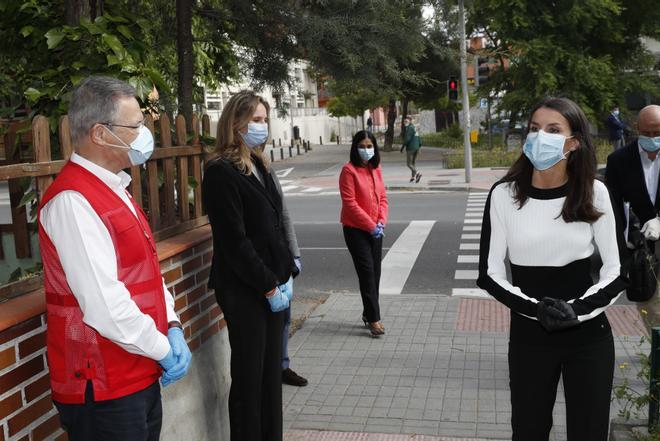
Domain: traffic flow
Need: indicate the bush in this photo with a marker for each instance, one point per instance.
(483, 158)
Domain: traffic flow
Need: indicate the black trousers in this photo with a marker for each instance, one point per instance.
(367, 253)
(135, 417)
(587, 371)
(255, 336)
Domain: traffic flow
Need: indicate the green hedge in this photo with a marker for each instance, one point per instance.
(499, 157)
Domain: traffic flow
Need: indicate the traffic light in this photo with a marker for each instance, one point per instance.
(483, 69)
(452, 89)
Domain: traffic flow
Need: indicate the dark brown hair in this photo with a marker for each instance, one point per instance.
(581, 166)
(355, 156)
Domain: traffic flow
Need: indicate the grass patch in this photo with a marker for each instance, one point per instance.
(499, 157)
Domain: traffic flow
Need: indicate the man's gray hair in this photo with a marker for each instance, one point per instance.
(93, 101)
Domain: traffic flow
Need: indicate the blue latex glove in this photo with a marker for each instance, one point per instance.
(377, 232)
(278, 301)
(182, 354)
(169, 361)
(287, 289)
(298, 263)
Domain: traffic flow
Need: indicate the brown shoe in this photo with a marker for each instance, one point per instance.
(291, 378)
(376, 328)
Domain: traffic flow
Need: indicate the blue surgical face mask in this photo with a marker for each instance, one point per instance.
(544, 149)
(615, 113)
(140, 150)
(257, 134)
(366, 154)
(649, 144)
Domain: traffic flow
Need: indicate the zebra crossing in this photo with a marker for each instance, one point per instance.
(291, 187)
(467, 261)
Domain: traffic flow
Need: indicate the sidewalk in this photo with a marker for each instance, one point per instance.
(439, 374)
(441, 370)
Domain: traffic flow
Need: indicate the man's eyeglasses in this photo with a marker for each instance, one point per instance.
(139, 126)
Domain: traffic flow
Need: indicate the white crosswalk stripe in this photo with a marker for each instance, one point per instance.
(400, 259)
(470, 292)
(467, 271)
(470, 258)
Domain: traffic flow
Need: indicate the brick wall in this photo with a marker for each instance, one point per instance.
(26, 409)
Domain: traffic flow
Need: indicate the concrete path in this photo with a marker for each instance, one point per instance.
(441, 370)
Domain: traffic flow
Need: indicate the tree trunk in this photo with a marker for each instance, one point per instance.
(184, 46)
(391, 118)
(74, 10)
(404, 113)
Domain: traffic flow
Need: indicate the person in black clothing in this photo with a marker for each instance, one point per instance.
(251, 268)
(633, 175)
(615, 127)
(545, 215)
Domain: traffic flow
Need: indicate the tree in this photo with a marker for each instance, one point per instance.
(186, 61)
(590, 51)
(366, 44)
(438, 62)
(44, 58)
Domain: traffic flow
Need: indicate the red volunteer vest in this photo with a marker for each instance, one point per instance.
(76, 352)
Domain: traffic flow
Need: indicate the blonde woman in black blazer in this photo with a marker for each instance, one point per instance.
(251, 266)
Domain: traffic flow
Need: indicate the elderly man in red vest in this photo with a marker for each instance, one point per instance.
(112, 329)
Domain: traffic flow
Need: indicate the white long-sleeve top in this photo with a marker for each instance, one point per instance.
(549, 256)
(89, 260)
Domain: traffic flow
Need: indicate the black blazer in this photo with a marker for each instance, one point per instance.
(625, 179)
(250, 249)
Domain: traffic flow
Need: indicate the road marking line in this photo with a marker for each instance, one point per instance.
(471, 227)
(468, 258)
(401, 258)
(468, 246)
(479, 209)
(284, 172)
(466, 275)
(312, 190)
(472, 221)
(331, 171)
(288, 187)
(470, 292)
(329, 248)
(470, 236)
(476, 205)
(473, 214)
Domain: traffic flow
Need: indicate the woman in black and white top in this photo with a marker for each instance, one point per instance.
(545, 215)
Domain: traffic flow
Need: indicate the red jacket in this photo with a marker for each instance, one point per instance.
(363, 197)
(76, 352)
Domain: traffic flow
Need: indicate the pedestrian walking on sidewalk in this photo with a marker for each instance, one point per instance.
(364, 216)
(545, 215)
(289, 376)
(412, 144)
(252, 266)
(112, 328)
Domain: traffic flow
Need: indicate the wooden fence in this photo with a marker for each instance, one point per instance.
(161, 187)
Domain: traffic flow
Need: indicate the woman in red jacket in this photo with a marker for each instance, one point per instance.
(364, 216)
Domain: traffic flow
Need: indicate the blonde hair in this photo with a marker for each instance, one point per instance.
(236, 115)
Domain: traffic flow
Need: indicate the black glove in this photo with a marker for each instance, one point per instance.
(555, 314)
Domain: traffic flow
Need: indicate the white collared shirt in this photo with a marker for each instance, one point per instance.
(651, 173)
(89, 260)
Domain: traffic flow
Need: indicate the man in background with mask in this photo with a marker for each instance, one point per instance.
(412, 144)
(112, 328)
(633, 172)
(615, 127)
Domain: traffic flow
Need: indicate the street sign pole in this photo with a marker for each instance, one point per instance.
(466, 101)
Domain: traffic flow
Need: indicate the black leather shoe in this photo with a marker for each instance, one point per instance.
(291, 378)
